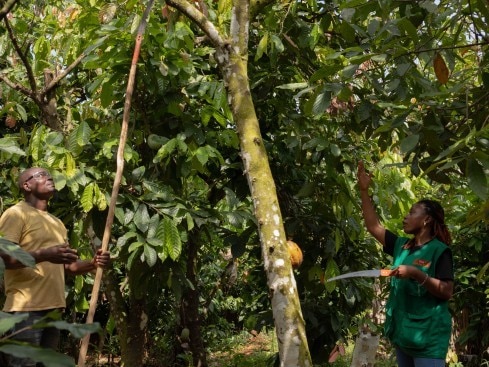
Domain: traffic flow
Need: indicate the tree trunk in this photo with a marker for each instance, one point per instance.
(131, 322)
(190, 311)
(289, 322)
(287, 314)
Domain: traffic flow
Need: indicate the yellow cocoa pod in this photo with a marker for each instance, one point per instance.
(295, 253)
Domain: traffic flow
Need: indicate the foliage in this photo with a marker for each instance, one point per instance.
(16, 252)
(37, 354)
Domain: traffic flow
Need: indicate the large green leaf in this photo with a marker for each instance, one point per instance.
(331, 270)
(262, 47)
(86, 199)
(172, 243)
(14, 250)
(409, 143)
(47, 356)
(477, 178)
(149, 255)
(141, 218)
(77, 330)
(8, 320)
(9, 145)
(78, 138)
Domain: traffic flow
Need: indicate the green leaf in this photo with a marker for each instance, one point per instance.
(135, 24)
(141, 218)
(429, 5)
(190, 221)
(347, 31)
(477, 178)
(335, 150)
(403, 68)
(349, 71)
(482, 272)
(277, 42)
(9, 145)
(373, 27)
(86, 199)
(315, 273)
(22, 112)
(379, 58)
(409, 143)
(134, 246)
(78, 138)
(262, 47)
(150, 255)
(7, 320)
(408, 28)
(77, 330)
(166, 150)
(172, 243)
(107, 93)
(321, 103)
(14, 250)
(46, 356)
(292, 86)
(331, 270)
(202, 156)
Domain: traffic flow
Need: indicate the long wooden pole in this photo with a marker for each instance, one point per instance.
(117, 179)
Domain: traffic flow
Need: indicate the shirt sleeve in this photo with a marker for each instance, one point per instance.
(444, 266)
(389, 240)
(10, 225)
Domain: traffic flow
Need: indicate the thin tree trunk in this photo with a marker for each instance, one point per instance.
(131, 322)
(191, 317)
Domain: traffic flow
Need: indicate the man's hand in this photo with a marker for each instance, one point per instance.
(101, 258)
(60, 254)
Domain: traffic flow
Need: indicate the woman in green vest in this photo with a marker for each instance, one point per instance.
(418, 322)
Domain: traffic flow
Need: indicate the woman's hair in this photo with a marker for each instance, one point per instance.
(439, 229)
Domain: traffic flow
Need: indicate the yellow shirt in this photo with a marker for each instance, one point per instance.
(41, 287)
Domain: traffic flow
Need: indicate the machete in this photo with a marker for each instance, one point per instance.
(375, 273)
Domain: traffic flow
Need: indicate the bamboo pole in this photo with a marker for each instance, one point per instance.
(117, 179)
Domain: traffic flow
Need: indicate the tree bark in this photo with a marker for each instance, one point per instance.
(287, 314)
(131, 322)
(190, 302)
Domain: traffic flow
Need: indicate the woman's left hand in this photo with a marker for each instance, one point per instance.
(405, 272)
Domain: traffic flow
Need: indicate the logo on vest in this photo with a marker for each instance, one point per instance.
(422, 263)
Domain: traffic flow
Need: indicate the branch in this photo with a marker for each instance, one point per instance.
(6, 8)
(30, 73)
(66, 71)
(415, 52)
(240, 21)
(200, 20)
(18, 87)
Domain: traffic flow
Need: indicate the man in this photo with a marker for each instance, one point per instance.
(41, 289)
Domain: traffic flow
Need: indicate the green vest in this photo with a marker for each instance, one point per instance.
(416, 321)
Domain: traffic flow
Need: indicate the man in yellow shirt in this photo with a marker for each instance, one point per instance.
(41, 289)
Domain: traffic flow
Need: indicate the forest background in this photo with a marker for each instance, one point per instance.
(247, 121)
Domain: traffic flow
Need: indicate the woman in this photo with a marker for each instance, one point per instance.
(418, 322)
